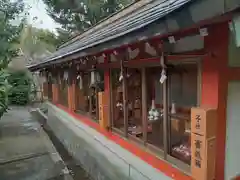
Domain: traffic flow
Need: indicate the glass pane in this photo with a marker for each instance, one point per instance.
(117, 100)
(93, 99)
(98, 87)
(81, 98)
(63, 92)
(134, 91)
(50, 93)
(154, 105)
(85, 92)
(181, 138)
(183, 95)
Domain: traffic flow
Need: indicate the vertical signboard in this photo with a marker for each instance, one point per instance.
(203, 127)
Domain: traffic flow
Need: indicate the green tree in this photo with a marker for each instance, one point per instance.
(10, 29)
(36, 43)
(79, 15)
(21, 83)
(63, 36)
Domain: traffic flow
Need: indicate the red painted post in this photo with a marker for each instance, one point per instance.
(214, 85)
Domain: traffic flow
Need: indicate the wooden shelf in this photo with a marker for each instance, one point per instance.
(181, 116)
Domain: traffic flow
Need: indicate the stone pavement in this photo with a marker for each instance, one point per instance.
(26, 152)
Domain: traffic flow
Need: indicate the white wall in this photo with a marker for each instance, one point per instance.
(232, 161)
(234, 52)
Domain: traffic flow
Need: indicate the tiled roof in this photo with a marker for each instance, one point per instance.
(146, 13)
(144, 19)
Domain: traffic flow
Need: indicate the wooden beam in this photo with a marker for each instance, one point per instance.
(155, 61)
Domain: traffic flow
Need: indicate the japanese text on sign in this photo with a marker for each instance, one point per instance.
(198, 120)
(197, 153)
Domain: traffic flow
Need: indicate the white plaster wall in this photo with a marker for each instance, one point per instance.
(234, 52)
(232, 161)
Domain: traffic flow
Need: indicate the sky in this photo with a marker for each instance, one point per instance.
(38, 9)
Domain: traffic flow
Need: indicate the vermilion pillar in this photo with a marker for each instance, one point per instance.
(74, 96)
(55, 92)
(70, 99)
(72, 89)
(214, 85)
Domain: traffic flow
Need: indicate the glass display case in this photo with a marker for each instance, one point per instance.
(117, 99)
(134, 91)
(154, 108)
(183, 94)
(82, 88)
(63, 90)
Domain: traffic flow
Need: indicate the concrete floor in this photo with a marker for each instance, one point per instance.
(26, 152)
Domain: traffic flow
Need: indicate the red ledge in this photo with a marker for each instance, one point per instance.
(155, 162)
(237, 178)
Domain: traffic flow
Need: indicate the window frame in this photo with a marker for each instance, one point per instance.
(165, 152)
(185, 167)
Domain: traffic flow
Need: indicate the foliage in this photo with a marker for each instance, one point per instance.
(53, 39)
(4, 90)
(10, 29)
(21, 84)
(37, 43)
(79, 15)
(63, 36)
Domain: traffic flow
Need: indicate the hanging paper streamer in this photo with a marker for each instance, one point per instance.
(128, 75)
(163, 73)
(44, 79)
(65, 75)
(133, 53)
(162, 61)
(120, 77)
(93, 78)
(150, 50)
(101, 59)
(49, 78)
(173, 110)
(163, 76)
(236, 29)
(80, 84)
(113, 58)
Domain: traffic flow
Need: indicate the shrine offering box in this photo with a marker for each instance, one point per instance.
(103, 110)
(203, 157)
(204, 121)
